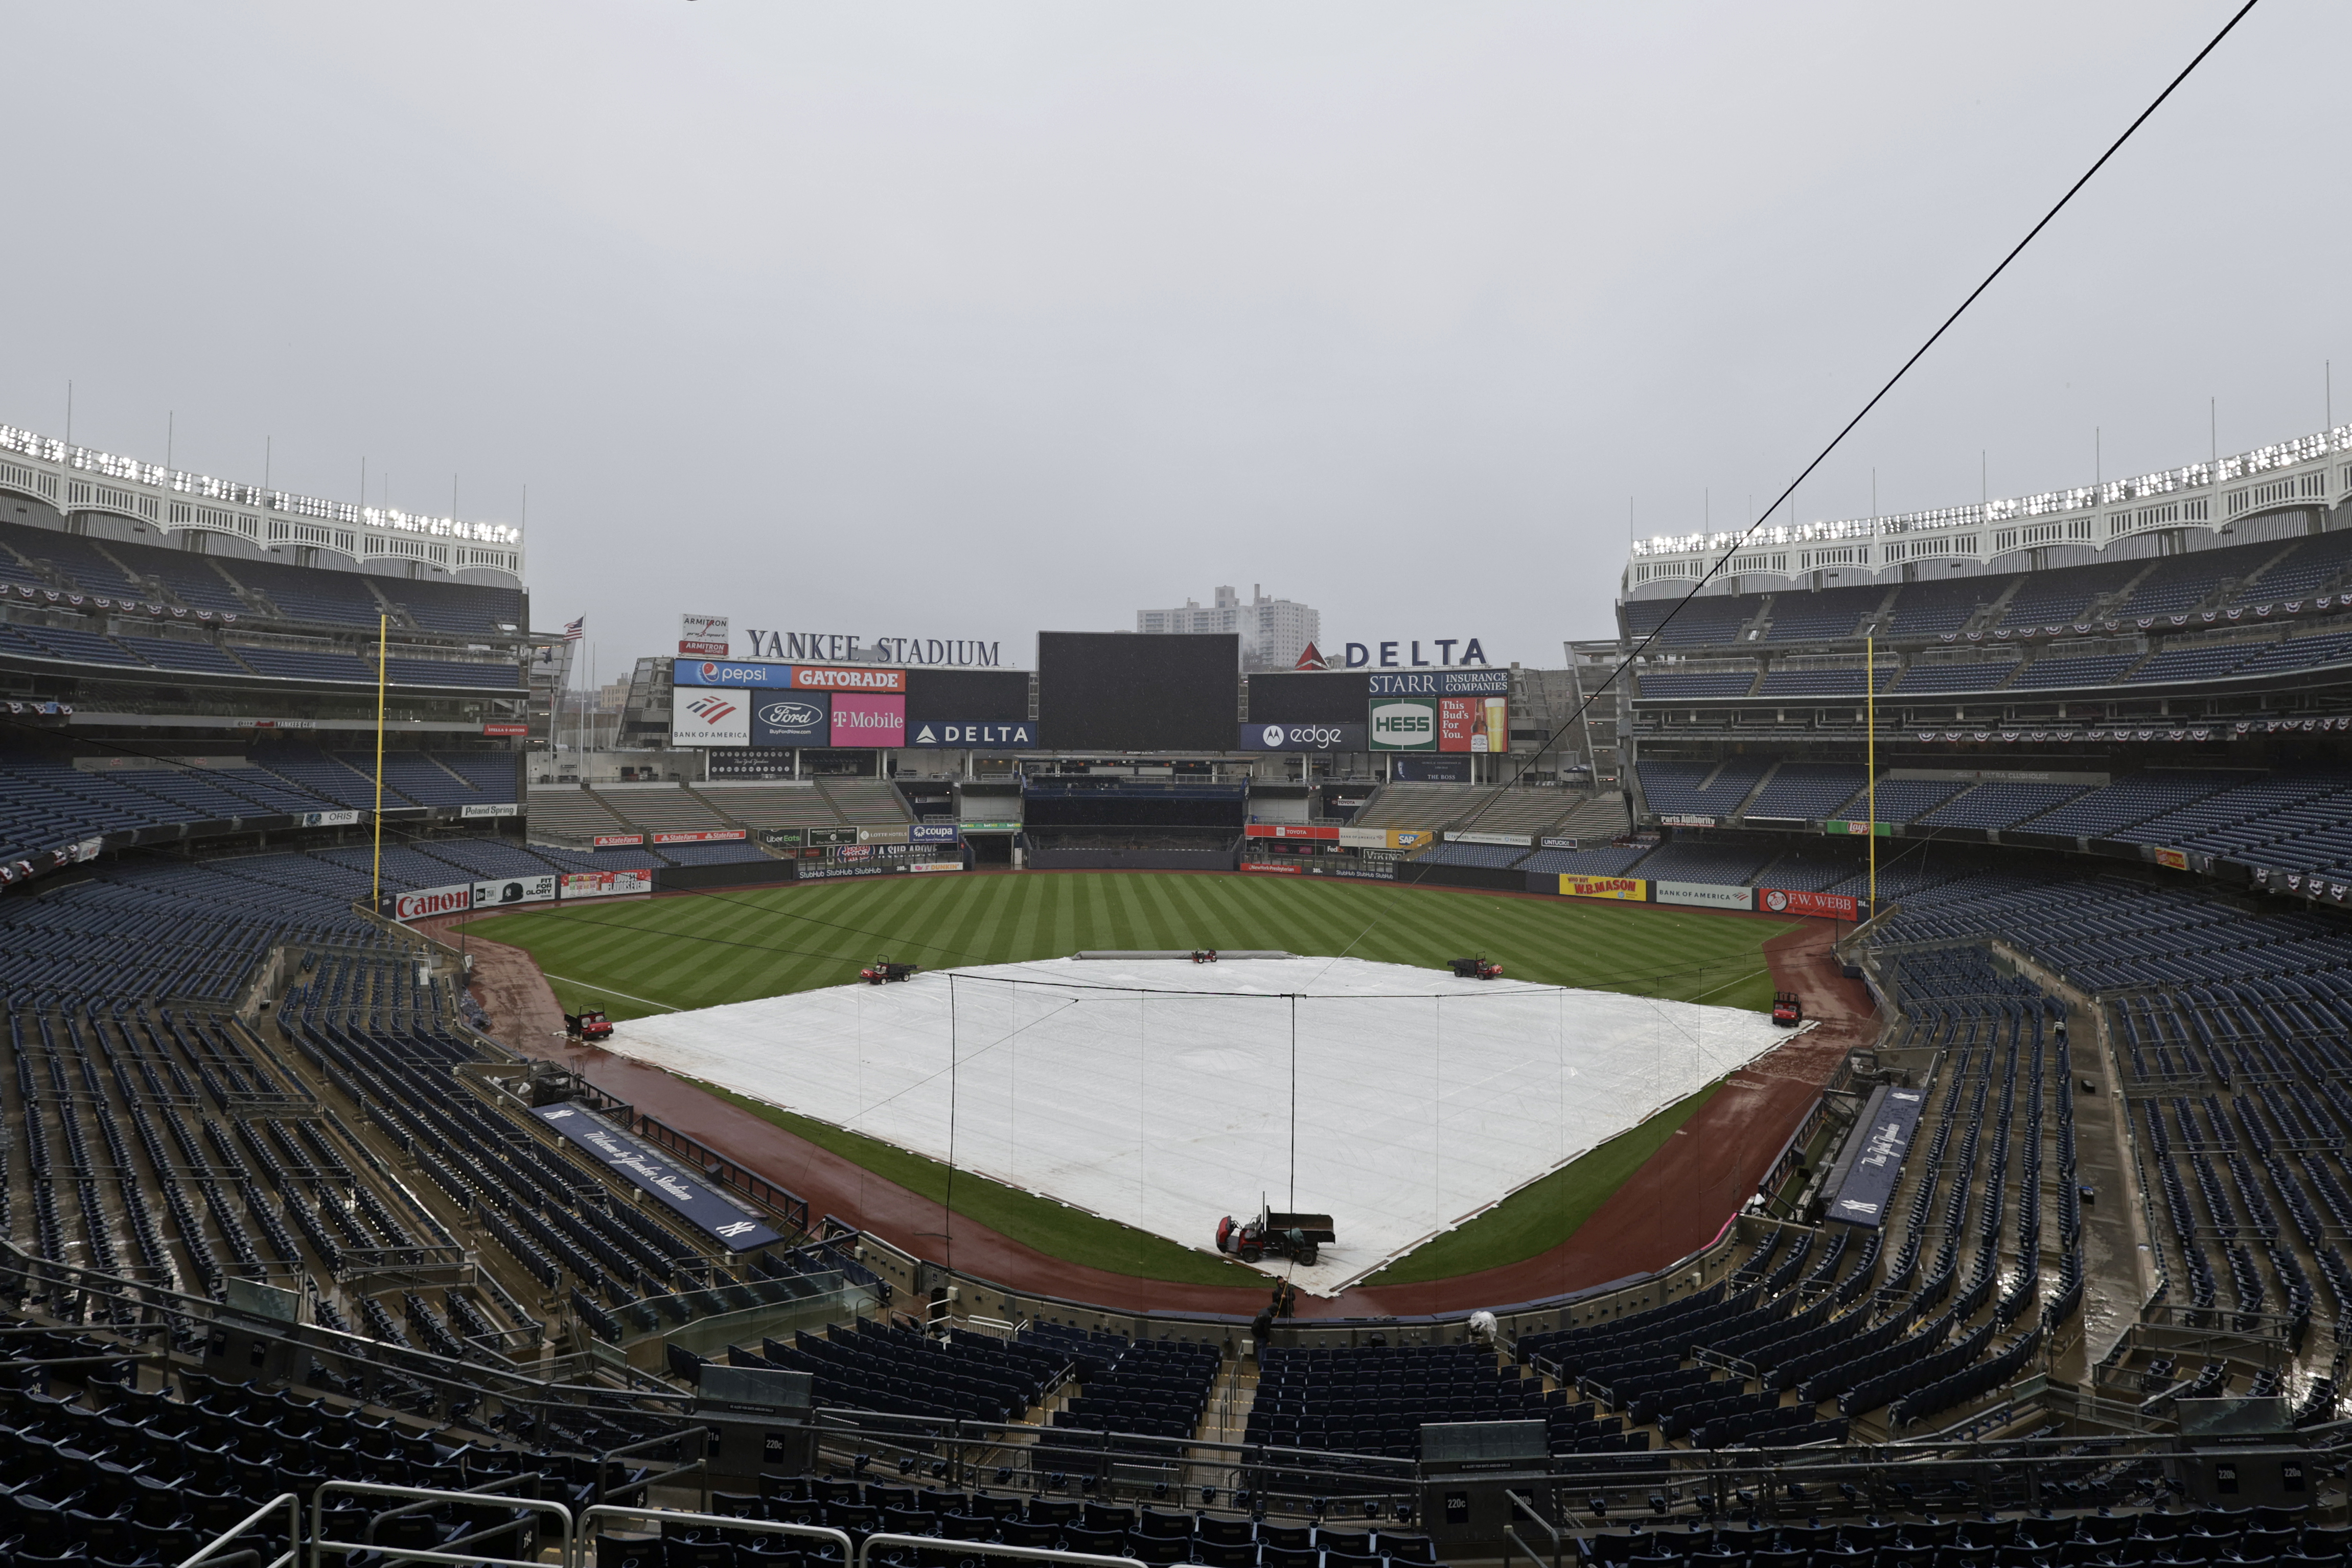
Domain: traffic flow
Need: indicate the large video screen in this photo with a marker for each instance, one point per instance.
(1138, 692)
(1304, 697)
(967, 696)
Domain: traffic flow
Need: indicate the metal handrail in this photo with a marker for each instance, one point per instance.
(293, 1506)
(320, 1543)
(584, 1537)
(992, 1549)
(1520, 1505)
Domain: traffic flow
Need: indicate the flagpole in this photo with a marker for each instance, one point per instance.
(1870, 742)
(375, 875)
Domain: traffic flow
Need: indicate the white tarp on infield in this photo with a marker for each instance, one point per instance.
(1160, 1092)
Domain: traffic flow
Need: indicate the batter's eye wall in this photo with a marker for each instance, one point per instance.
(967, 696)
(1337, 698)
(1129, 691)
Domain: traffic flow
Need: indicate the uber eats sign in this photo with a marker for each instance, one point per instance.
(1404, 724)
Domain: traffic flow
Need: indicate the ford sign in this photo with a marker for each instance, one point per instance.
(791, 722)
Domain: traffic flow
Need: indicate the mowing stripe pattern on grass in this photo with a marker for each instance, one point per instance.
(703, 951)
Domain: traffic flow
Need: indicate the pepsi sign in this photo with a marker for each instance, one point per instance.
(728, 672)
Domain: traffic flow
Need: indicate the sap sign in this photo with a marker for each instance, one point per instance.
(790, 721)
(1410, 726)
(1019, 737)
(1301, 738)
(1386, 656)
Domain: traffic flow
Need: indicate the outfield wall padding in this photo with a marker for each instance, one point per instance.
(1132, 859)
(1495, 878)
(733, 874)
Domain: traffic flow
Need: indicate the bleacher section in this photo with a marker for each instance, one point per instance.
(190, 580)
(1698, 788)
(872, 802)
(1957, 674)
(1933, 609)
(568, 811)
(771, 806)
(1710, 618)
(1821, 615)
(663, 808)
(1805, 791)
(302, 594)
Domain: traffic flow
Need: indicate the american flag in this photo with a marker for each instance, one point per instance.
(574, 630)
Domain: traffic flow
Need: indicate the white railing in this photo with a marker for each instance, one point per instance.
(82, 478)
(2081, 515)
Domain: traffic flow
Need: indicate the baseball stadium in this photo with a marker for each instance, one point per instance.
(1869, 1081)
(1846, 1064)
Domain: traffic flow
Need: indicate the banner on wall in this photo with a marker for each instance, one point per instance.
(1315, 831)
(1632, 890)
(1477, 724)
(497, 809)
(1431, 770)
(537, 889)
(1403, 724)
(2177, 860)
(781, 720)
(705, 716)
(616, 840)
(340, 818)
(932, 833)
(1703, 894)
(702, 637)
(1022, 736)
(1300, 737)
(606, 884)
(454, 899)
(1859, 830)
(1797, 901)
(1382, 837)
(702, 836)
(868, 720)
(658, 1176)
(856, 677)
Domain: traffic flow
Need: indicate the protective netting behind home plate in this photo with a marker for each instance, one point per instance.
(1164, 1094)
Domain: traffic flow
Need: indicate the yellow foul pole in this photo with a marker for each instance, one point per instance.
(375, 875)
(1870, 744)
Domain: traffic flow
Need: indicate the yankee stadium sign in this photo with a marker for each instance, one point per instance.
(839, 647)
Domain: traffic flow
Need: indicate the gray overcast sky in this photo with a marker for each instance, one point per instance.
(965, 319)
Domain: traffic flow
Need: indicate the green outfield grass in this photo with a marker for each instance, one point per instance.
(674, 953)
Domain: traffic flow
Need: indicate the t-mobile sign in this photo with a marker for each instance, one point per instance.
(868, 718)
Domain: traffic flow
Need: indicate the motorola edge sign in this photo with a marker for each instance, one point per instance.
(1301, 737)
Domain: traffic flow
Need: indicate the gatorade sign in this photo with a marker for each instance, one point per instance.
(1404, 724)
